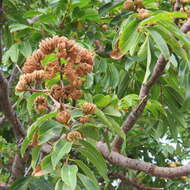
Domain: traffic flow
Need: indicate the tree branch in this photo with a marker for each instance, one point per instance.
(5, 104)
(12, 78)
(133, 182)
(148, 168)
(6, 107)
(144, 92)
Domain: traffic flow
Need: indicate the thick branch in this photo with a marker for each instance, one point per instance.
(17, 169)
(148, 168)
(12, 78)
(144, 92)
(133, 183)
(6, 107)
(186, 27)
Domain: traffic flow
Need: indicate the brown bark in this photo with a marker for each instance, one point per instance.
(6, 107)
(133, 183)
(146, 167)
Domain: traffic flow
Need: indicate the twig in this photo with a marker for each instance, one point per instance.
(36, 90)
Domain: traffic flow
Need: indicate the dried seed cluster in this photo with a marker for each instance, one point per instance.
(74, 136)
(80, 63)
(133, 5)
(41, 103)
(63, 116)
(88, 108)
(84, 119)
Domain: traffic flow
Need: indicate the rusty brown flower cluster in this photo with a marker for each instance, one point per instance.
(41, 103)
(133, 5)
(74, 136)
(79, 64)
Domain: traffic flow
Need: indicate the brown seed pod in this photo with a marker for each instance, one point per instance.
(76, 83)
(63, 116)
(57, 91)
(83, 69)
(139, 4)
(143, 13)
(88, 108)
(74, 136)
(172, 165)
(184, 178)
(76, 94)
(84, 119)
(41, 103)
(28, 78)
(129, 5)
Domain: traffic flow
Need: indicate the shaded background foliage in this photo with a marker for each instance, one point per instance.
(113, 86)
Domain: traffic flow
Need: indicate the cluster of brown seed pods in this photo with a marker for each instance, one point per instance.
(72, 63)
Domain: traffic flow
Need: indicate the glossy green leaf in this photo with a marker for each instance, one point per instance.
(35, 156)
(87, 171)
(160, 42)
(69, 175)
(125, 35)
(16, 27)
(101, 101)
(60, 149)
(106, 121)
(148, 71)
(89, 185)
(25, 48)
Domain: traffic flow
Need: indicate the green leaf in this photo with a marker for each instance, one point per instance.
(48, 130)
(30, 101)
(80, 3)
(35, 156)
(59, 185)
(88, 183)
(25, 48)
(21, 183)
(60, 149)
(177, 32)
(106, 121)
(69, 175)
(87, 172)
(108, 7)
(17, 27)
(14, 53)
(114, 75)
(101, 101)
(175, 45)
(112, 111)
(119, 17)
(125, 35)
(46, 165)
(162, 16)
(142, 53)
(25, 145)
(160, 42)
(148, 71)
(94, 161)
(33, 128)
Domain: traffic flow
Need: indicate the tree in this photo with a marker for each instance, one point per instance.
(94, 94)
